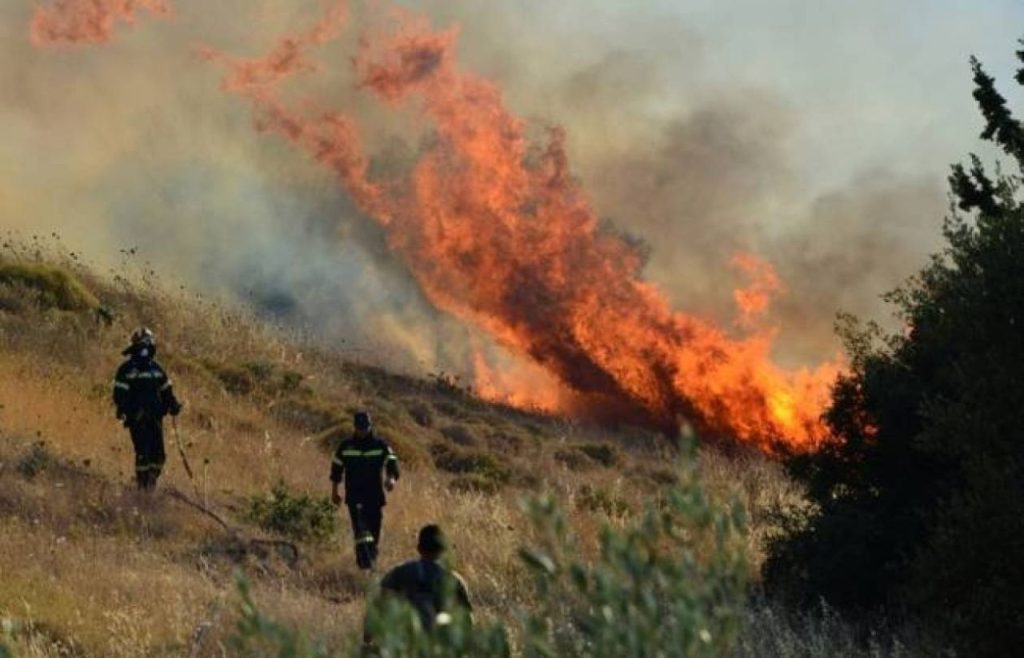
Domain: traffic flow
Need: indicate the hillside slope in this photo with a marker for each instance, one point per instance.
(90, 567)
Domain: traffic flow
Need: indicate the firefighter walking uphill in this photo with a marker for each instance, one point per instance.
(369, 467)
(143, 396)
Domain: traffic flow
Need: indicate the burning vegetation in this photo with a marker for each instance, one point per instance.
(498, 232)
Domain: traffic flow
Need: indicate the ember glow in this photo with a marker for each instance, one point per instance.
(70, 22)
(753, 301)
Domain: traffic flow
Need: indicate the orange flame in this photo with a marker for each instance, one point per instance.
(754, 300)
(499, 233)
(525, 386)
(72, 22)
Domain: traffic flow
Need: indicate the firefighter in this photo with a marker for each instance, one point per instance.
(433, 591)
(143, 396)
(369, 467)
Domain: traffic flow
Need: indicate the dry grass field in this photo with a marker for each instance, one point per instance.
(90, 567)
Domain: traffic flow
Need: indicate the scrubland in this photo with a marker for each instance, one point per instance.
(90, 567)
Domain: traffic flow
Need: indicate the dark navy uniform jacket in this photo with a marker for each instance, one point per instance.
(142, 390)
(362, 462)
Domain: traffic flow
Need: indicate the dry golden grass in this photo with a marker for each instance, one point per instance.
(88, 565)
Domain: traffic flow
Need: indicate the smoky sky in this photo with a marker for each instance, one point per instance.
(816, 135)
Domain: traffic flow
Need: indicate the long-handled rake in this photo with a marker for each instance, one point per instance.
(184, 457)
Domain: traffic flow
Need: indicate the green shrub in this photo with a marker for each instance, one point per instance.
(53, 286)
(37, 459)
(465, 461)
(294, 515)
(603, 453)
(291, 381)
(598, 499)
(671, 584)
(587, 455)
(573, 459)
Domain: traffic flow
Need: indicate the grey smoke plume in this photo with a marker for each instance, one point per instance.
(132, 144)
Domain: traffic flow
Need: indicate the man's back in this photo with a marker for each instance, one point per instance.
(363, 461)
(429, 587)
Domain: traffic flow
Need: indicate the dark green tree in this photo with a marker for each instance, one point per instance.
(918, 499)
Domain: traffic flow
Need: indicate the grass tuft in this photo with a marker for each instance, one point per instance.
(52, 287)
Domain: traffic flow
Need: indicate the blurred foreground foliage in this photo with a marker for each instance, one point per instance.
(671, 584)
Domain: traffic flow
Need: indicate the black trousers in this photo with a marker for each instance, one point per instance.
(148, 440)
(366, 524)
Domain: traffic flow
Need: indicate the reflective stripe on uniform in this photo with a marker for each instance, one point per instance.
(337, 461)
(119, 384)
(391, 457)
(362, 453)
(365, 539)
(167, 385)
(147, 374)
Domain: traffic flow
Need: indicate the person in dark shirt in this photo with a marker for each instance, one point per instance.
(368, 467)
(432, 590)
(143, 395)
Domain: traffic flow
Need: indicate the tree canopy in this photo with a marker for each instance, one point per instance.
(918, 498)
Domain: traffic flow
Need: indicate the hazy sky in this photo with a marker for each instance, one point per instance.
(875, 82)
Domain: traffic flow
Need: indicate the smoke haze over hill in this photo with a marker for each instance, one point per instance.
(700, 132)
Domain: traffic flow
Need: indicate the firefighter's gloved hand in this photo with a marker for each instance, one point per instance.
(389, 484)
(174, 408)
(121, 415)
(336, 498)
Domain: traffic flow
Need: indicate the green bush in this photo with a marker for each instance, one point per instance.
(598, 499)
(298, 516)
(37, 459)
(672, 584)
(465, 461)
(587, 455)
(603, 453)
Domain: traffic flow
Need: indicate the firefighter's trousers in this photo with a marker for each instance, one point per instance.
(366, 523)
(148, 440)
